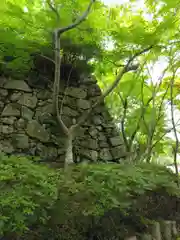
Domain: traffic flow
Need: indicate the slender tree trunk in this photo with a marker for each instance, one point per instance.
(69, 151)
(69, 147)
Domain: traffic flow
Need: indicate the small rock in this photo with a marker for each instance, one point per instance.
(103, 144)
(93, 132)
(5, 129)
(6, 147)
(1, 104)
(17, 85)
(15, 96)
(26, 113)
(46, 152)
(20, 141)
(83, 104)
(102, 137)
(76, 92)
(69, 112)
(44, 95)
(89, 154)
(28, 100)
(105, 155)
(94, 91)
(12, 109)
(97, 120)
(68, 101)
(20, 124)
(3, 92)
(35, 130)
(116, 141)
(9, 120)
(90, 143)
(118, 152)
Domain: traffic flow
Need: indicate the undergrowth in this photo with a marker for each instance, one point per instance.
(53, 204)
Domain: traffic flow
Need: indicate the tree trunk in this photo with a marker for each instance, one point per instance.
(69, 147)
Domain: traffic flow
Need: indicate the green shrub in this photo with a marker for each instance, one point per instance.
(93, 190)
(80, 201)
(27, 191)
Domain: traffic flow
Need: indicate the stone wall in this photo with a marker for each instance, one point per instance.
(28, 127)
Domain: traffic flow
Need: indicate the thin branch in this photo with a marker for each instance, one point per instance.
(139, 121)
(77, 22)
(112, 86)
(174, 126)
(57, 33)
(125, 107)
(54, 10)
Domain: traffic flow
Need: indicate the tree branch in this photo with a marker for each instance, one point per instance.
(112, 86)
(175, 149)
(54, 10)
(57, 33)
(77, 22)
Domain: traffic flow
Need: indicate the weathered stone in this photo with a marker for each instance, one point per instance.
(105, 155)
(17, 85)
(46, 152)
(20, 141)
(90, 143)
(12, 109)
(80, 132)
(6, 147)
(106, 115)
(20, 124)
(58, 140)
(69, 112)
(47, 108)
(93, 132)
(35, 130)
(97, 120)
(15, 96)
(89, 154)
(103, 144)
(1, 104)
(28, 100)
(76, 92)
(3, 92)
(83, 104)
(94, 90)
(6, 129)
(44, 95)
(9, 120)
(116, 141)
(46, 118)
(98, 110)
(102, 137)
(61, 151)
(118, 152)
(69, 101)
(41, 103)
(87, 80)
(26, 113)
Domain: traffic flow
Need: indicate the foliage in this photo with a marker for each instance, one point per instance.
(29, 200)
(27, 191)
(92, 191)
(105, 186)
(108, 37)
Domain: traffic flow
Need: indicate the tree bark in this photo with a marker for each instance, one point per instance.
(69, 148)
